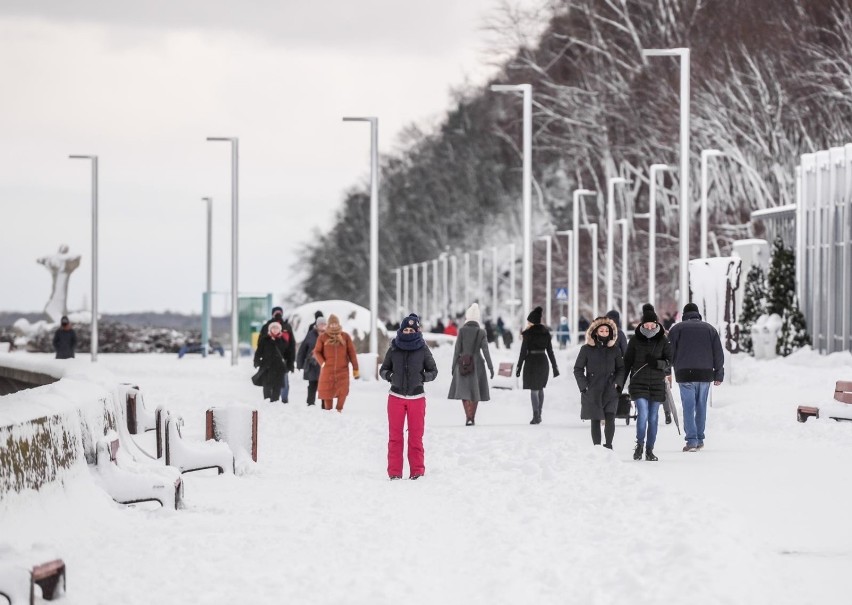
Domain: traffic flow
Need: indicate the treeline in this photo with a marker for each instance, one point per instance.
(771, 79)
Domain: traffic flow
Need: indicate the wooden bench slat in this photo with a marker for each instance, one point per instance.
(45, 570)
(844, 385)
(505, 369)
(843, 397)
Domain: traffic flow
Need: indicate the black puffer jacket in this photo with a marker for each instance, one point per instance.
(536, 355)
(408, 370)
(272, 355)
(64, 342)
(599, 371)
(647, 363)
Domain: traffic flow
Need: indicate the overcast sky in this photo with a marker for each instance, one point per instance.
(142, 84)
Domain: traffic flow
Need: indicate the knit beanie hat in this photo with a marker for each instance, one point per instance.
(648, 313)
(535, 315)
(473, 314)
(690, 307)
(321, 321)
(317, 314)
(277, 311)
(614, 316)
(412, 321)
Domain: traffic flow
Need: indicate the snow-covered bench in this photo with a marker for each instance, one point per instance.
(139, 419)
(127, 482)
(24, 582)
(841, 410)
(188, 456)
(505, 377)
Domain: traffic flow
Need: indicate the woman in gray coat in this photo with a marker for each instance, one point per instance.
(471, 346)
(599, 371)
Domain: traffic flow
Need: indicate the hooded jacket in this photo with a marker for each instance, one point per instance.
(647, 363)
(599, 371)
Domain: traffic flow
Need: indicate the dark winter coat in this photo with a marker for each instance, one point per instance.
(290, 338)
(472, 340)
(64, 342)
(408, 370)
(647, 363)
(536, 349)
(305, 359)
(622, 337)
(696, 350)
(599, 371)
(272, 355)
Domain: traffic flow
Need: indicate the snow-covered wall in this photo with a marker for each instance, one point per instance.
(49, 431)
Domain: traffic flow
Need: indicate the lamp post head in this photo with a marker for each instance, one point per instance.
(707, 153)
(510, 87)
(661, 167)
(82, 157)
(360, 119)
(664, 52)
(229, 139)
(618, 180)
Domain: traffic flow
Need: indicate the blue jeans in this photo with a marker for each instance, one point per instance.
(285, 387)
(647, 413)
(693, 395)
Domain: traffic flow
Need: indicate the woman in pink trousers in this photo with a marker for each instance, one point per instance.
(407, 365)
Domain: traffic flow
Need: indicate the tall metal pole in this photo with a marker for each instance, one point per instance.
(548, 298)
(683, 54)
(445, 259)
(424, 310)
(436, 309)
(454, 265)
(494, 282)
(652, 232)
(235, 229)
(374, 230)
(405, 305)
(94, 160)
(398, 307)
(466, 279)
(415, 293)
(568, 277)
(208, 322)
(624, 258)
(610, 236)
(480, 296)
(705, 154)
(593, 231)
(526, 89)
(575, 268)
(512, 279)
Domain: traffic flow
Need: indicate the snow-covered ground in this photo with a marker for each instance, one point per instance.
(507, 512)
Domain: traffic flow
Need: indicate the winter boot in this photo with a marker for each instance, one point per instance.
(637, 453)
(649, 456)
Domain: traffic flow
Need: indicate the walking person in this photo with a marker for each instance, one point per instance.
(272, 354)
(306, 361)
(64, 339)
(615, 316)
(289, 341)
(407, 365)
(698, 360)
(647, 363)
(536, 350)
(599, 371)
(470, 357)
(335, 352)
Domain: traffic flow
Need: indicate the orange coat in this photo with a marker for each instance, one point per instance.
(335, 360)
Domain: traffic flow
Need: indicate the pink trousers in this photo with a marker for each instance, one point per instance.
(398, 410)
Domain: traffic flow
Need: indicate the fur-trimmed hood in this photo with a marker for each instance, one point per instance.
(613, 331)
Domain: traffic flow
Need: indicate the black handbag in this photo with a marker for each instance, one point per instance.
(623, 410)
(257, 379)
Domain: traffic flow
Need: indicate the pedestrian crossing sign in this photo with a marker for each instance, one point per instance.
(561, 293)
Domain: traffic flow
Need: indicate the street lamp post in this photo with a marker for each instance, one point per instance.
(526, 89)
(705, 154)
(424, 310)
(512, 279)
(436, 309)
(415, 294)
(480, 295)
(445, 261)
(398, 307)
(94, 159)
(593, 232)
(548, 279)
(454, 265)
(624, 258)
(610, 235)
(235, 225)
(405, 305)
(652, 231)
(683, 55)
(575, 269)
(374, 229)
(569, 276)
(493, 282)
(208, 322)
(466, 279)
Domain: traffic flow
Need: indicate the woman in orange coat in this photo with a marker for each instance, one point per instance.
(334, 352)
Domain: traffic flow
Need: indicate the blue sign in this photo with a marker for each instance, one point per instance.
(561, 293)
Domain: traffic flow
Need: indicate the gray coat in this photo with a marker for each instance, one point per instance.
(599, 371)
(473, 387)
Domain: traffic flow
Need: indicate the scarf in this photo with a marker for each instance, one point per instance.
(334, 330)
(649, 333)
(602, 340)
(409, 342)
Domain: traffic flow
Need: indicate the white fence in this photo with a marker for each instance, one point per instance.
(824, 246)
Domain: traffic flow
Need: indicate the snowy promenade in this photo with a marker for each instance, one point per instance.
(507, 512)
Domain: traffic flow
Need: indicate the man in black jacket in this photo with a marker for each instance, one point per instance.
(698, 360)
(64, 340)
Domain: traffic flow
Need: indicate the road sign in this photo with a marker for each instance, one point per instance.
(561, 293)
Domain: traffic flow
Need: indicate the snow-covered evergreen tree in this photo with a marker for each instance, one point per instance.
(754, 305)
(783, 301)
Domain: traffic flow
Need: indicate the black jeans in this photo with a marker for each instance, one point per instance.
(609, 429)
(271, 391)
(312, 391)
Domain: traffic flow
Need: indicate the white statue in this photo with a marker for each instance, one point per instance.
(60, 266)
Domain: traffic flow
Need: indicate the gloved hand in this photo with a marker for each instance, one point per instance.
(555, 372)
(491, 371)
(584, 390)
(518, 372)
(356, 374)
(256, 365)
(651, 359)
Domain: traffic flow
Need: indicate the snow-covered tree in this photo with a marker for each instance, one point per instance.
(754, 305)
(783, 301)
